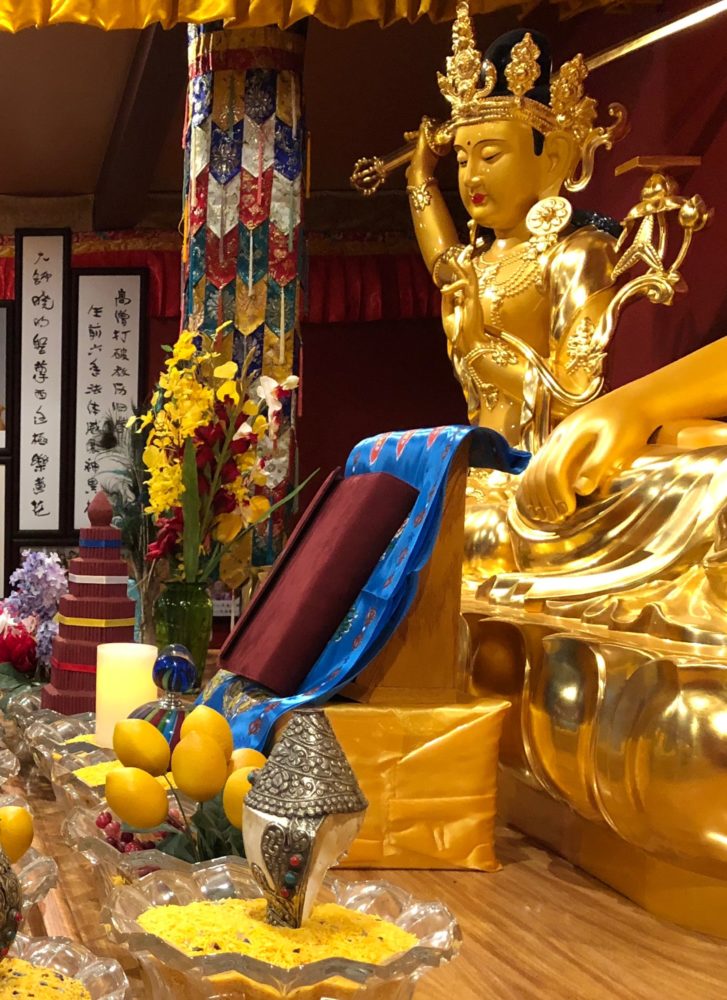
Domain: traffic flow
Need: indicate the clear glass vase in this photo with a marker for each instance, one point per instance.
(183, 614)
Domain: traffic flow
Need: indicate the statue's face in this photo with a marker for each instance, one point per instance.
(500, 175)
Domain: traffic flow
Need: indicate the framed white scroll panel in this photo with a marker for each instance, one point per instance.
(42, 268)
(110, 350)
(6, 331)
(3, 529)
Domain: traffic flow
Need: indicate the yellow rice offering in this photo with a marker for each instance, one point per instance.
(83, 738)
(95, 774)
(20, 980)
(238, 926)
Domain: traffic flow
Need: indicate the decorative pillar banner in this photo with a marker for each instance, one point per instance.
(243, 247)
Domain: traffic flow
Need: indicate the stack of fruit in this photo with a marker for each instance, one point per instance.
(204, 767)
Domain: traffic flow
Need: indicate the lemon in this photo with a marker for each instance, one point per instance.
(244, 758)
(236, 788)
(139, 744)
(199, 766)
(16, 831)
(206, 721)
(136, 797)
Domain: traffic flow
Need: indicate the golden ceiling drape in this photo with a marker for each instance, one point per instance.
(113, 14)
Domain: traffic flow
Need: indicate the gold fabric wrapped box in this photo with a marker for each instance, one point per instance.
(429, 773)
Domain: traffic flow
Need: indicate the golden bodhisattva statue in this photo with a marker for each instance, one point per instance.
(596, 587)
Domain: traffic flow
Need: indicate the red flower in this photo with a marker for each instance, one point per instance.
(210, 434)
(168, 531)
(222, 414)
(230, 472)
(238, 446)
(224, 502)
(17, 647)
(204, 456)
(203, 484)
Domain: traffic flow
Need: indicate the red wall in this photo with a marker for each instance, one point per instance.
(363, 379)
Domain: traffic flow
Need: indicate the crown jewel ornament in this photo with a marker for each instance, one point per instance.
(469, 86)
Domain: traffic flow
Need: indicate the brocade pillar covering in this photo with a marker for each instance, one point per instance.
(243, 254)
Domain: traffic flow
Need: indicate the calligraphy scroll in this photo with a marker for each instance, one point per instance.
(41, 292)
(6, 325)
(110, 329)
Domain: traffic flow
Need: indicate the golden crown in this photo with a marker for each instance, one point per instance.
(570, 110)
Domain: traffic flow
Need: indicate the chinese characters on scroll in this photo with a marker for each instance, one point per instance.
(109, 318)
(41, 368)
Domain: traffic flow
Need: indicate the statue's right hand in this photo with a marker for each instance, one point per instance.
(425, 158)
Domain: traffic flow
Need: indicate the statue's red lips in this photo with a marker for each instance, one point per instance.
(479, 199)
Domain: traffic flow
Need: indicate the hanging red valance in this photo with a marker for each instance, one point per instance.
(349, 285)
(157, 251)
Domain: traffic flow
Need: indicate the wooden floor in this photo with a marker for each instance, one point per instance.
(537, 929)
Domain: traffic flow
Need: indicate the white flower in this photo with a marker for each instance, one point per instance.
(243, 431)
(6, 621)
(267, 390)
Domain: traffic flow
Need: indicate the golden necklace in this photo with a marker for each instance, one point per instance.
(526, 275)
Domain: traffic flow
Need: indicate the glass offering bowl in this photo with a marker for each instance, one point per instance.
(9, 765)
(171, 975)
(103, 977)
(71, 790)
(46, 738)
(37, 873)
(111, 868)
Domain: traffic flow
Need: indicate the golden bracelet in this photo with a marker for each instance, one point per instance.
(421, 196)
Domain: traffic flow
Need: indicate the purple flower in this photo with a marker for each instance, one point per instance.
(38, 585)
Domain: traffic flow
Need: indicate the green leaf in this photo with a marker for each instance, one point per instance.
(178, 845)
(190, 508)
(11, 679)
(286, 499)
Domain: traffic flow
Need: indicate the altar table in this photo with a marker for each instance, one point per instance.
(539, 929)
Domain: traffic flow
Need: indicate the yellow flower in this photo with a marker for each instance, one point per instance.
(226, 371)
(259, 426)
(250, 408)
(185, 348)
(259, 477)
(228, 527)
(229, 389)
(257, 508)
(235, 563)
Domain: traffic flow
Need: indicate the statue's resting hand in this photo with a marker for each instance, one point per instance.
(582, 454)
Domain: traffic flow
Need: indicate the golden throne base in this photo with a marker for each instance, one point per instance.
(687, 898)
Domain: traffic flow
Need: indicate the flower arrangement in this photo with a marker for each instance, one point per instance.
(27, 618)
(209, 441)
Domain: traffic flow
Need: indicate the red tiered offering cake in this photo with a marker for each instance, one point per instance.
(96, 610)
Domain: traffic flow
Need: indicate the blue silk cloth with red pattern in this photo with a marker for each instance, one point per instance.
(423, 459)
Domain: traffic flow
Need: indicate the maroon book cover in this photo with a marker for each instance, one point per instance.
(317, 577)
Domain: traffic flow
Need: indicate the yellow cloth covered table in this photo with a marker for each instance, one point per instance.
(430, 775)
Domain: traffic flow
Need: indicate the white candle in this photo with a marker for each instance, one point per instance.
(123, 682)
